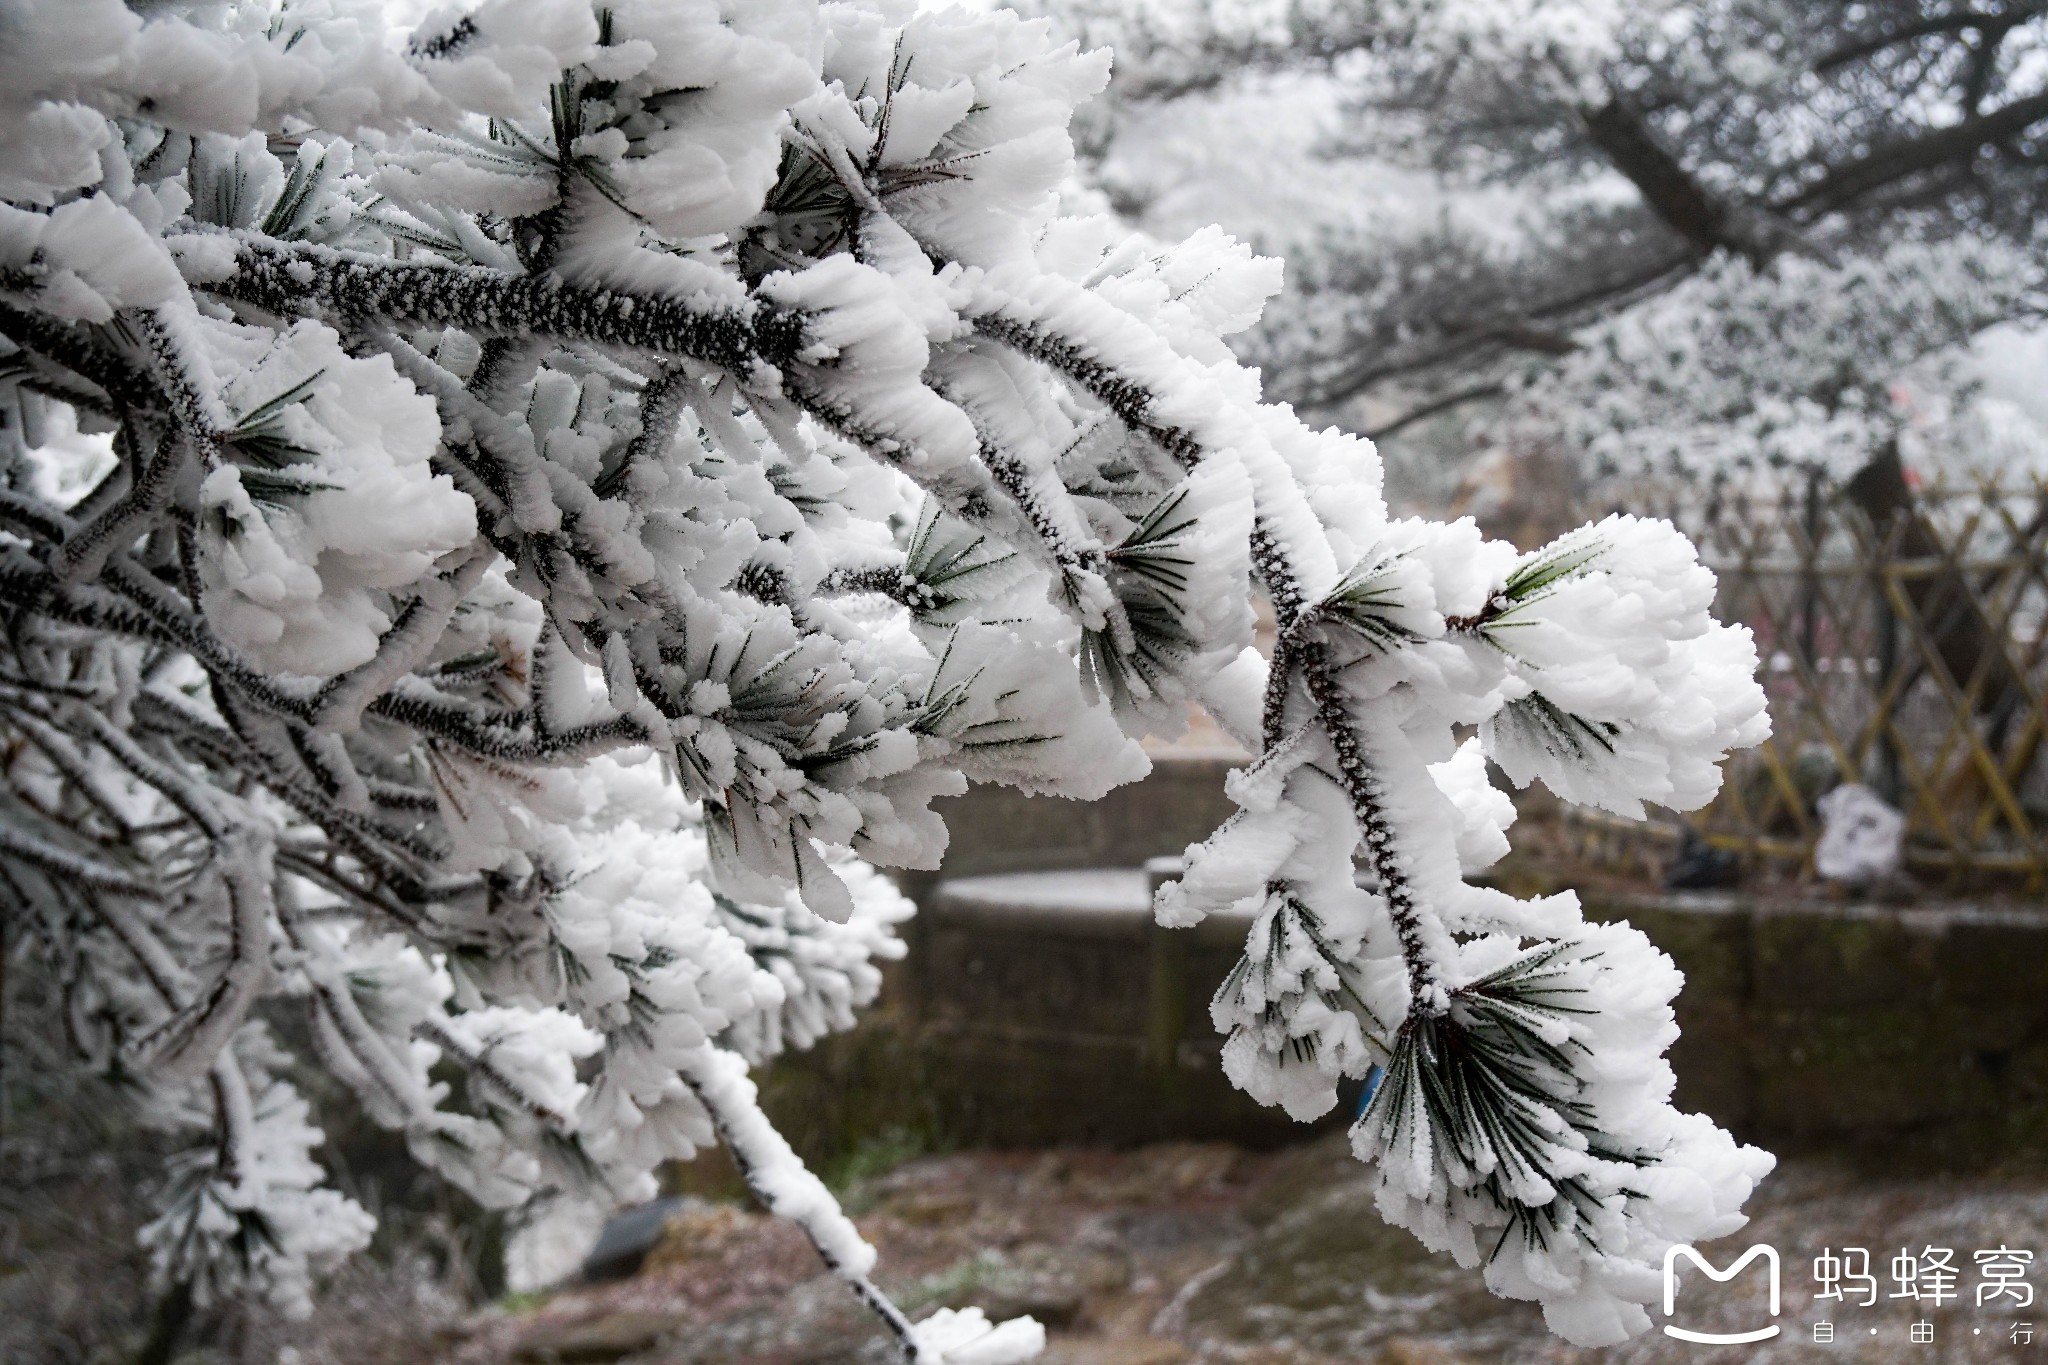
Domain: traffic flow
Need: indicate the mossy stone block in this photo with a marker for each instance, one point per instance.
(1850, 962)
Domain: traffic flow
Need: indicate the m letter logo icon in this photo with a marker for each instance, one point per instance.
(1770, 1255)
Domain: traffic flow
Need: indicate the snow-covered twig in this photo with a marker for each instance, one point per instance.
(586, 479)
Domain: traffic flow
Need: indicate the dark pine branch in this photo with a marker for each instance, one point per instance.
(1881, 167)
(293, 278)
(1891, 34)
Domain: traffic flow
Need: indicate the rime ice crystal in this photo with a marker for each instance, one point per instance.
(584, 478)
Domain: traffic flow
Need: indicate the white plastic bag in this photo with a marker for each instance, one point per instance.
(1860, 835)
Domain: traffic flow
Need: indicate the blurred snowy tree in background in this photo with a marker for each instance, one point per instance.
(504, 523)
(1801, 365)
(1593, 183)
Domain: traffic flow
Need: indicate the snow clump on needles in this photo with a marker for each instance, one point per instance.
(576, 482)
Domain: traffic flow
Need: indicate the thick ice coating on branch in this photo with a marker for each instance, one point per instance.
(1622, 687)
(504, 524)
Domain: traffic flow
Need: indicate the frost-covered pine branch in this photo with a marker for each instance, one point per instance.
(504, 524)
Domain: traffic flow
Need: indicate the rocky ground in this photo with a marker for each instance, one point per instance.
(1187, 1253)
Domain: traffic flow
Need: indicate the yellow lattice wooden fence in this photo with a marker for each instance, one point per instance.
(1902, 632)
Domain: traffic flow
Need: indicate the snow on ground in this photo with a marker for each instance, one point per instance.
(1206, 1253)
(1100, 888)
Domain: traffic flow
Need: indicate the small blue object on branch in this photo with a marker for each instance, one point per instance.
(1372, 1085)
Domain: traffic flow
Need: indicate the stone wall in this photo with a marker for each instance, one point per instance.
(995, 829)
(1040, 1005)
(1910, 1033)
(1033, 1010)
